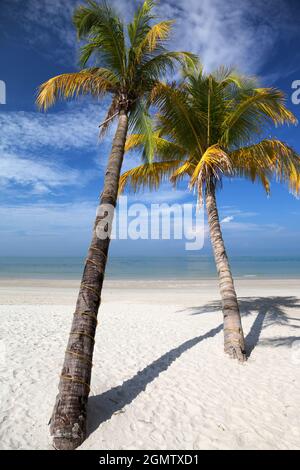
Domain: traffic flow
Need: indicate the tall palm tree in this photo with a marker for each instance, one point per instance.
(128, 63)
(209, 127)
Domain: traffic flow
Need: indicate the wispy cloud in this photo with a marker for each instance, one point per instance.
(232, 32)
(45, 21)
(226, 220)
(248, 227)
(232, 211)
(33, 146)
(24, 176)
(74, 128)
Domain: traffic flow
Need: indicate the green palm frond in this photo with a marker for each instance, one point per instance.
(141, 122)
(140, 26)
(163, 148)
(211, 118)
(179, 122)
(126, 67)
(105, 31)
(251, 112)
(165, 62)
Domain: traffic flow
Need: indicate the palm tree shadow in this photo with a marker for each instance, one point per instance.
(270, 311)
(102, 407)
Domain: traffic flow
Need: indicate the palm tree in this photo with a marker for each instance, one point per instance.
(128, 63)
(209, 127)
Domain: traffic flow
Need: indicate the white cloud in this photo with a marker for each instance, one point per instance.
(232, 32)
(33, 144)
(36, 176)
(74, 128)
(238, 227)
(44, 21)
(226, 220)
(232, 211)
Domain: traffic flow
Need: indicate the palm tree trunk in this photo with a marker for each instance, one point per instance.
(234, 343)
(68, 422)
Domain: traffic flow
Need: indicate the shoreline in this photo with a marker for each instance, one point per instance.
(117, 282)
(167, 292)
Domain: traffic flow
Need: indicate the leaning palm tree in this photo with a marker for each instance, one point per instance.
(209, 127)
(128, 63)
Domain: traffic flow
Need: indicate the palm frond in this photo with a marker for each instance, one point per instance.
(178, 120)
(249, 113)
(186, 169)
(96, 82)
(154, 38)
(266, 159)
(141, 122)
(214, 164)
(139, 27)
(231, 110)
(149, 175)
(163, 148)
(105, 33)
(166, 62)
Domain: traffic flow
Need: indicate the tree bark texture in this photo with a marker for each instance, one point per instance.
(68, 422)
(234, 343)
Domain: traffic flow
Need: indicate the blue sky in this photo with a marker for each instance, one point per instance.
(52, 165)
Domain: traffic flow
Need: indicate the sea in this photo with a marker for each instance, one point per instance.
(151, 268)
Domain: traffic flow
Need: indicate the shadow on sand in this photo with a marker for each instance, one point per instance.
(270, 311)
(102, 407)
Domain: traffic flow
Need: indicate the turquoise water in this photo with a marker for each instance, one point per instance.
(189, 267)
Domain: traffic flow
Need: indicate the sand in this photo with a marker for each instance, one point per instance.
(160, 378)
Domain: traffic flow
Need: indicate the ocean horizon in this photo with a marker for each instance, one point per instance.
(151, 268)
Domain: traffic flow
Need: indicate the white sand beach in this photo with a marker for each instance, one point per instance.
(160, 378)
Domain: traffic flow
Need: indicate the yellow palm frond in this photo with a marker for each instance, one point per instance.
(213, 165)
(268, 157)
(94, 82)
(159, 32)
(294, 185)
(134, 141)
(149, 175)
(187, 168)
